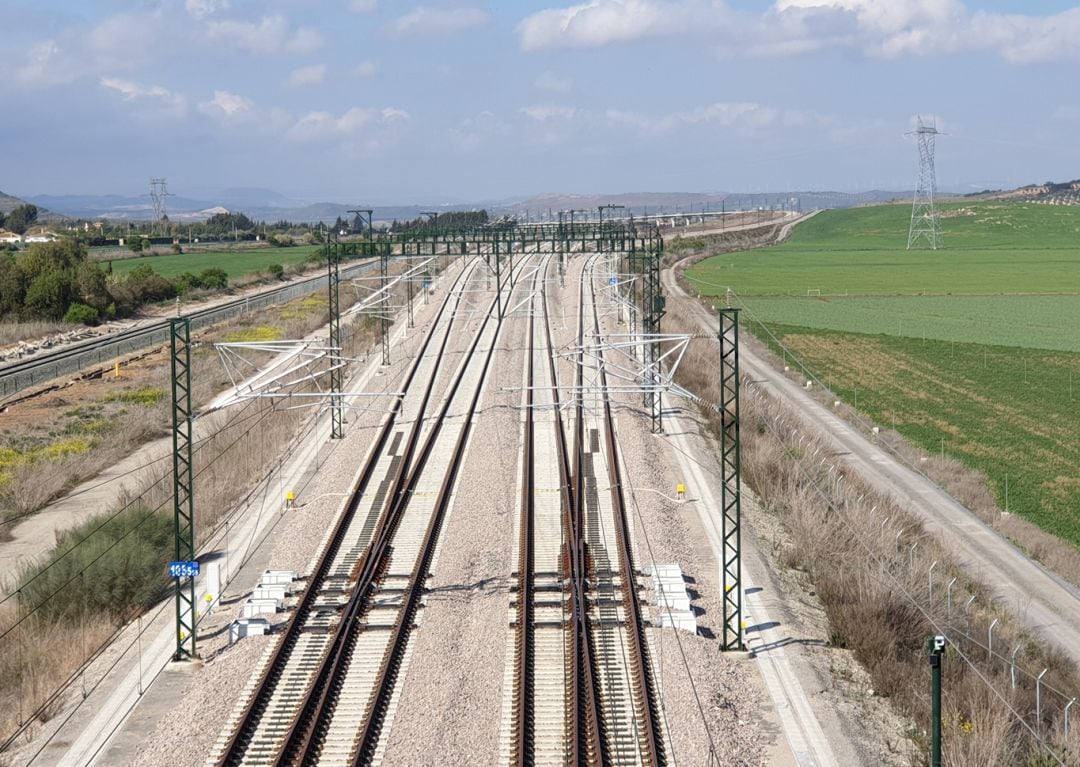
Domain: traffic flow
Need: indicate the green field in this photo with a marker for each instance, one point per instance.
(974, 348)
(1000, 249)
(236, 263)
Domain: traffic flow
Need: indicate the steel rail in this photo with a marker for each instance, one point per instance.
(644, 688)
(238, 742)
(305, 738)
(370, 732)
(589, 744)
(523, 651)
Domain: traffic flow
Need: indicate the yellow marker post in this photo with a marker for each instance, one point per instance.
(290, 499)
(116, 370)
(680, 490)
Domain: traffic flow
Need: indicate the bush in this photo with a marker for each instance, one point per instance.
(81, 314)
(49, 295)
(176, 248)
(214, 279)
(98, 577)
(186, 282)
(277, 271)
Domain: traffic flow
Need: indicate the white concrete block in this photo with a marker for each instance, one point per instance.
(272, 577)
(254, 607)
(277, 591)
(246, 627)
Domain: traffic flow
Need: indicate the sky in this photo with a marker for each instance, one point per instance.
(453, 101)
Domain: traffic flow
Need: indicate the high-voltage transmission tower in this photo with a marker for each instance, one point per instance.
(924, 219)
(159, 190)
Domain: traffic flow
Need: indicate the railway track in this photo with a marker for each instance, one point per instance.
(329, 688)
(18, 376)
(580, 674)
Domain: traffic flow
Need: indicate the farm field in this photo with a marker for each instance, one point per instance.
(976, 344)
(236, 263)
(1000, 248)
(1000, 410)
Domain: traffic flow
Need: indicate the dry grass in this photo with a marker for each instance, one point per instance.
(13, 332)
(869, 562)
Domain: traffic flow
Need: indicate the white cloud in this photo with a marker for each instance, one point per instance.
(130, 91)
(46, 64)
(879, 28)
(476, 133)
(305, 76)
(202, 8)
(363, 6)
(227, 105)
(743, 114)
(153, 100)
(544, 113)
(437, 22)
(553, 83)
(364, 69)
(269, 36)
(351, 124)
(604, 22)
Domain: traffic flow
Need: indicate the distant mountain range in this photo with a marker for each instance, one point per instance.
(269, 205)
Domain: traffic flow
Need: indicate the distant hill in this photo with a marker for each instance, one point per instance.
(9, 203)
(669, 202)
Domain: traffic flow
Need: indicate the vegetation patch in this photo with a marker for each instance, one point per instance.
(104, 566)
(1003, 249)
(144, 395)
(237, 263)
(254, 334)
(1011, 413)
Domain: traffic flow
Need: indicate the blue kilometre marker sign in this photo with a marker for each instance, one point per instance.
(183, 569)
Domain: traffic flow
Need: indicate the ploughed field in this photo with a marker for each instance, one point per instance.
(973, 348)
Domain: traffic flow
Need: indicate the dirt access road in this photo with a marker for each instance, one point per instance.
(1040, 599)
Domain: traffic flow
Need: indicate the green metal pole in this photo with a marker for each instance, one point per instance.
(498, 280)
(934, 647)
(731, 501)
(183, 484)
(333, 281)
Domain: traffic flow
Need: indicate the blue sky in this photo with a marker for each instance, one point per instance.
(453, 101)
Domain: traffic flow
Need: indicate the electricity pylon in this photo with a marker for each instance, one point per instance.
(924, 220)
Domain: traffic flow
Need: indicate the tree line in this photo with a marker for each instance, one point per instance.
(56, 281)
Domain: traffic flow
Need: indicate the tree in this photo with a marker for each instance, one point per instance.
(214, 279)
(136, 245)
(12, 285)
(21, 219)
(49, 295)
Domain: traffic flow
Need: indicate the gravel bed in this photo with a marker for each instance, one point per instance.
(187, 734)
(451, 699)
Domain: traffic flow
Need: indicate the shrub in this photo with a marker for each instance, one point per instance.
(81, 314)
(214, 279)
(117, 570)
(186, 282)
(49, 295)
(277, 271)
(176, 248)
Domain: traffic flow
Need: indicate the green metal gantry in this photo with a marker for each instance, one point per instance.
(643, 255)
(730, 495)
(183, 484)
(337, 403)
